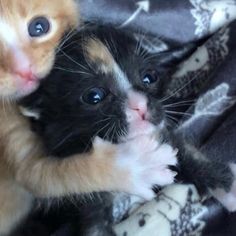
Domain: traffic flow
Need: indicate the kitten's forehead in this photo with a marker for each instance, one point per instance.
(14, 12)
(24, 8)
(98, 53)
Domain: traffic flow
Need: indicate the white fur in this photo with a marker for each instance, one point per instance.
(121, 78)
(147, 161)
(7, 33)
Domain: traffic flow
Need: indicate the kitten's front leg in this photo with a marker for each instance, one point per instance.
(133, 167)
(210, 176)
(15, 204)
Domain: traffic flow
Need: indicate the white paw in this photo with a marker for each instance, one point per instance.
(146, 162)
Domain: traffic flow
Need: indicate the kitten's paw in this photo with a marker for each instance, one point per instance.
(147, 163)
(227, 199)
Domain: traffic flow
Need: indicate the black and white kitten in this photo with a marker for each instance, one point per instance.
(107, 84)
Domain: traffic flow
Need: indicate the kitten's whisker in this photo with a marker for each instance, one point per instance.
(71, 71)
(100, 121)
(108, 132)
(178, 105)
(114, 131)
(172, 119)
(62, 141)
(105, 126)
(181, 88)
(68, 36)
(184, 102)
(96, 134)
(178, 113)
(71, 59)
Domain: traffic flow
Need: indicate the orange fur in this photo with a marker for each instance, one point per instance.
(25, 172)
(40, 51)
(98, 53)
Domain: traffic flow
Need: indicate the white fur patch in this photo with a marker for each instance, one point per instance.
(121, 78)
(7, 33)
(147, 162)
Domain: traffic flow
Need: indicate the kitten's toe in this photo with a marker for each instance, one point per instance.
(162, 177)
(166, 155)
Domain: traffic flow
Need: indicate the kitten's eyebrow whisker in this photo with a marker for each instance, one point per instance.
(71, 71)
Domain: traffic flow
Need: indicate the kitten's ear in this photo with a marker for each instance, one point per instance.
(173, 57)
(165, 55)
(151, 44)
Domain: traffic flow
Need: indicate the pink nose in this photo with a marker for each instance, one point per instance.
(26, 74)
(138, 104)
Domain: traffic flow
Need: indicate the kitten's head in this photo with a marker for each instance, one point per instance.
(30, 31)
(107, 85)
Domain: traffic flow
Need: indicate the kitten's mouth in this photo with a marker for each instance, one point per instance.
(26, 84)
(141, 127)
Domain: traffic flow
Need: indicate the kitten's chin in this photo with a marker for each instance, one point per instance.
(22, 88)
(138, 128)
(26, 88)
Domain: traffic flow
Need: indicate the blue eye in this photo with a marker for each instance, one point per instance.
(38, 27)
(94, 96)
(150, 77)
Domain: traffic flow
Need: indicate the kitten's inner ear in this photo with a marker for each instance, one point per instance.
(165, 55)
(30, 113)
(175, 56)
(151, 44)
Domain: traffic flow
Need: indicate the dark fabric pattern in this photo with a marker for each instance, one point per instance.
(207, 78)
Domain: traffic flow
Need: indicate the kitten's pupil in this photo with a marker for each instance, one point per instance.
(94, 96)
(150, 77)
(39, 26)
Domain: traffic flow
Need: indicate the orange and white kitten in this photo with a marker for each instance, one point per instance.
(30, 32)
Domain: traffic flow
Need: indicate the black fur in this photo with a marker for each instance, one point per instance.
(68, 125)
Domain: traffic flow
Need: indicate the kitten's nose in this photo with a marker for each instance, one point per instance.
(137, 103)
(21, 64)
(26, 74)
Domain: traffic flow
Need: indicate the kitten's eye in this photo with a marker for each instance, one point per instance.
(38, 27)
(150, 77)
(94, 96)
